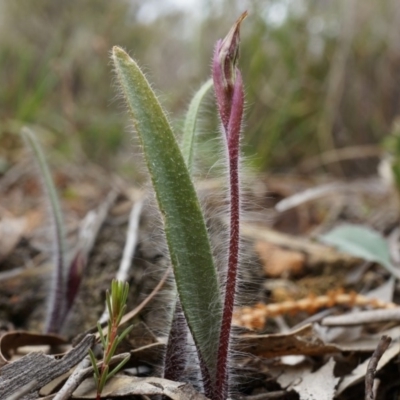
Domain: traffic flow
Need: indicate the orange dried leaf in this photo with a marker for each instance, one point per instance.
(278, 261)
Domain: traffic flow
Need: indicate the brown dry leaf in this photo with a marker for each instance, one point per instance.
(12, 229)
(303, 341)
(121, 385)
(11, 341)
(278, 261)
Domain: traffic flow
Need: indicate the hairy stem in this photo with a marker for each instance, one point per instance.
(234, 240)
(230, 99)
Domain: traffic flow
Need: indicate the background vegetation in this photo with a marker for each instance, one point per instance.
(320, 75)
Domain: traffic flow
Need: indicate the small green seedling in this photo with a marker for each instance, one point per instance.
(116, 306)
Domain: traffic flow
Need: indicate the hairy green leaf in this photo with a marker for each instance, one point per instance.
(56, 314)
(189, 129)
(185, 229)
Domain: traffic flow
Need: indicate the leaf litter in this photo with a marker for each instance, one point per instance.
(332, 357)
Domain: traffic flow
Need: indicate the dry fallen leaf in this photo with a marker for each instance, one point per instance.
(278, 261)
(11, 341)
(303, 341)
(121, 385)
(12, 229)
(320, 385)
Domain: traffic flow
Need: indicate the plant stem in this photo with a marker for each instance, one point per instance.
(230, 99)
(234, 242)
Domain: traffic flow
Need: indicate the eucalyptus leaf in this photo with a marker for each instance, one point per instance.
(363, 242)
(185, 228)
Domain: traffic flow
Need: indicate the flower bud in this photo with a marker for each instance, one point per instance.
(225, 72)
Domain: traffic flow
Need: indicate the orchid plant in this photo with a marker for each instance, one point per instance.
(207, 310)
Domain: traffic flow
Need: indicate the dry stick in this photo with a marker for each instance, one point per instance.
(23, 391)
(80, 373)
(129, 249)
(75, 379)
(363, 317)
(309, 194)
(297, 199)
(372, 365)
(131, 241)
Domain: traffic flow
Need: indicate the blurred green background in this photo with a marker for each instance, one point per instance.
(320, 75)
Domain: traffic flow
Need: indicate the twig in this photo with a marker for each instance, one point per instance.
(308, 195)
(80, 373)
(131, 240)
(363, 317)
(372, 365)
(366, 185)
(29, 387)
(75, 379)
(129, 249)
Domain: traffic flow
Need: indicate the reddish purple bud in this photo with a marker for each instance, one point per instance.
(224, 70)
